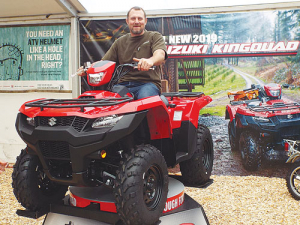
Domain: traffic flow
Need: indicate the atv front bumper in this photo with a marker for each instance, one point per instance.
(275, 155)
(271, 133)
(65, 143)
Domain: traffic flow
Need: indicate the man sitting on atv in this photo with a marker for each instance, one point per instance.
(145, 47)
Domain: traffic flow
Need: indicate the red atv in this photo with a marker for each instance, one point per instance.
(260, 121)
(106, 137)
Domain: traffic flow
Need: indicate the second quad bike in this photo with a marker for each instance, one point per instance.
(106, 137)
(259, 121)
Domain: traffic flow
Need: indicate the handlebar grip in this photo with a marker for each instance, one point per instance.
(134, 65)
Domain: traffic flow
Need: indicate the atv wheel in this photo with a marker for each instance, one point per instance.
(293, 181)
(250, 151)
(141, 186)
(31, 186)
(232, 139)
(197, 169)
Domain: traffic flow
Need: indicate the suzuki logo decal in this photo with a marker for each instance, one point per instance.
(52, 121)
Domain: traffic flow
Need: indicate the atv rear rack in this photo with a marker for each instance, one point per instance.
(275, 107)
(183, 94)
(73, 103)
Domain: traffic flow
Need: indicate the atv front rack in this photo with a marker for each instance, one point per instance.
(244, 102)
(80, 103)
(275, 107)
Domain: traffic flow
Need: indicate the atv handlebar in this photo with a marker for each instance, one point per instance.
(79, 72)
(87, 65)
(253, 87)
(121, 70)
(135, 65)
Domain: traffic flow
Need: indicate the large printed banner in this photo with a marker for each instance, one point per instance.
(204, 39)
(180, 46)
(34, 57)
(219, 35)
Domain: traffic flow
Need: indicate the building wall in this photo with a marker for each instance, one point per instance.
(10, 142)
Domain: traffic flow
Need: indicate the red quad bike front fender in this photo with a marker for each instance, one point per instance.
(230, 112)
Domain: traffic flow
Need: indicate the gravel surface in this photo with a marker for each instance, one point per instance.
(235, 196)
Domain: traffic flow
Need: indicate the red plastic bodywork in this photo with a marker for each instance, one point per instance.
(161, 119)
(105, 206)
(244, 109)
(272, 87)
(108, 70)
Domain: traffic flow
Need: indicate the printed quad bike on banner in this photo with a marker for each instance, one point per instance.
(107, 138)
(261, 124)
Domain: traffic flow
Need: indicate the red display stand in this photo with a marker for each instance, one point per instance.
(96, 205)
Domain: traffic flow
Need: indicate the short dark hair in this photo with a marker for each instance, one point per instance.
(136, 8)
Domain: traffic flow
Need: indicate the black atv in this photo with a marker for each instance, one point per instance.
(260, 120)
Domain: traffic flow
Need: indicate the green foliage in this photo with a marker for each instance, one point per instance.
(282, 73)
(219, 80)
(218, 110)
(233, 78)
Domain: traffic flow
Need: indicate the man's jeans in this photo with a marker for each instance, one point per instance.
(140, 90)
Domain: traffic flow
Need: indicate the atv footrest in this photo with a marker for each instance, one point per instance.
(180, 155)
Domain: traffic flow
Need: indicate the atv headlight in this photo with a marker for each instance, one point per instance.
(275, 93)
(95, 78)
(108, 121)
(30, 121)
(261, 119)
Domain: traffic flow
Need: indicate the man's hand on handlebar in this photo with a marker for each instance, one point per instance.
(144, 64)
(81, 71)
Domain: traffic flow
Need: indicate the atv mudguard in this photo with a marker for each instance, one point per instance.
(157, 117)
(241, 121)
(230, 112)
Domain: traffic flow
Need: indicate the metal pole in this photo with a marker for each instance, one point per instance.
(74, 57)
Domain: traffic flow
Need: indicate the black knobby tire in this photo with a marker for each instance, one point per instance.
(250, 151)
(232, 140)
(141, 186)
(197, 169)
(32, 188)
(293, 180)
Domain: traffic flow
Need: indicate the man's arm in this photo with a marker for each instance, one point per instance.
(158, 57)
(156, 60)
